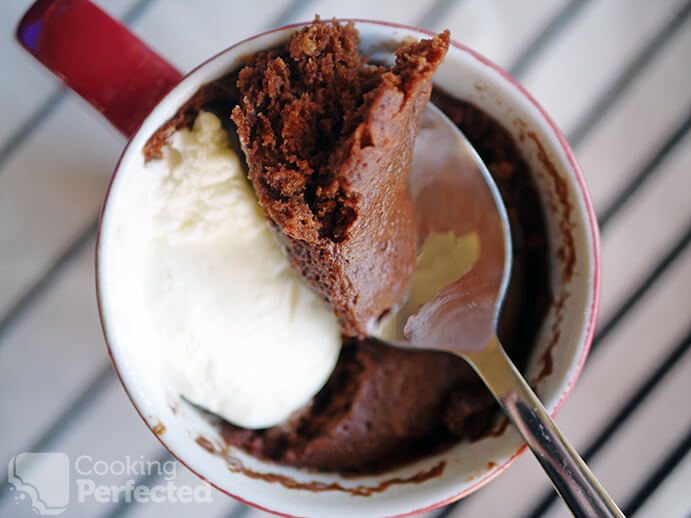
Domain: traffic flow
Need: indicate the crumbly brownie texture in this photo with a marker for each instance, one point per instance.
(328, 139)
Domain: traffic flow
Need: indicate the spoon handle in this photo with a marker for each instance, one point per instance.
(571, 477)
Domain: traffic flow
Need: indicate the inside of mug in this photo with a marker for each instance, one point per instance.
(555, 358)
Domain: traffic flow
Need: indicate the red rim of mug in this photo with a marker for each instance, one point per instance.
(592, 220)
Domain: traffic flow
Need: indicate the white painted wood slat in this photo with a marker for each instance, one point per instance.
(646, 228)
(50, 192)
(673, 498)
(499, 30)
(590, 53)
(187, 34)
(638, 123)
(389, 10)
(49, 357)
(650, 433)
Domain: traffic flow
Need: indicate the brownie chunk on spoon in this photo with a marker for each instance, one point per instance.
(328, 139)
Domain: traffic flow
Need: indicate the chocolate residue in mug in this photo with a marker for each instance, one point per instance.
(546, 358)
(235, 465)
(566, 253)
(159, 428)
(490, 466)
(559, 202)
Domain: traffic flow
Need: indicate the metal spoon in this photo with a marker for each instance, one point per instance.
(453, 192)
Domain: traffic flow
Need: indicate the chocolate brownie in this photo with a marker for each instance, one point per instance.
(329, 138)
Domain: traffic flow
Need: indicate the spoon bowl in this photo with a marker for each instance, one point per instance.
(455, 196)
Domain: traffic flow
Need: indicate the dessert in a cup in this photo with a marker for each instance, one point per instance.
(236, 326)
(247, 362)
(280, 228)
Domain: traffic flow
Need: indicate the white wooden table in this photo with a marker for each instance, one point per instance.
(614, 74)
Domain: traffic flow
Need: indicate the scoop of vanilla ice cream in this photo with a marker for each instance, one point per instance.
(240, 333)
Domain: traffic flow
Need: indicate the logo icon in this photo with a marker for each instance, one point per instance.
(42, 477)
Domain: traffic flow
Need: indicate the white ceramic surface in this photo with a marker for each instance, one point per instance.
(468, 76)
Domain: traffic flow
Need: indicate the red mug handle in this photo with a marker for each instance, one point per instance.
(99, 58)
